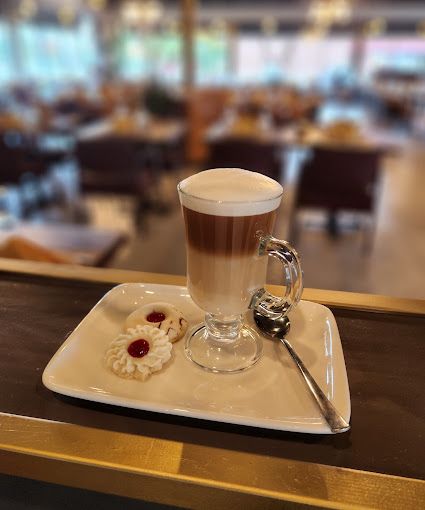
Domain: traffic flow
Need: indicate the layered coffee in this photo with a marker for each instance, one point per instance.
(226, 211)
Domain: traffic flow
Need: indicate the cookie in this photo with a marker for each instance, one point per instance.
(138, 352)
(161, 315)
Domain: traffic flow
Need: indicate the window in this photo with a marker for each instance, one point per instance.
(51, 53)
(399, 54)
(141, 56)
(7, 66)
(295, 59)
(211, 57)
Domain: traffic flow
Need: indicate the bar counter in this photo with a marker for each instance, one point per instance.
(199, 464)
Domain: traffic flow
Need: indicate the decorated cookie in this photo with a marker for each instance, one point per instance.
(161, 315)
(138, 352)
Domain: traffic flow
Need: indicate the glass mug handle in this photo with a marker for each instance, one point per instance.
(263, 301)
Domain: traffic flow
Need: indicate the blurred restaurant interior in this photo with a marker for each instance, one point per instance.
(105, 105)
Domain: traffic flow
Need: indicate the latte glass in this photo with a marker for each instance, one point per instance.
(228, 243)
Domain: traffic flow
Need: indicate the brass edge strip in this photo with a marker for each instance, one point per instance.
(351, 300)
(139, 486)
(366, 302)
(195, 465)
(94, 274)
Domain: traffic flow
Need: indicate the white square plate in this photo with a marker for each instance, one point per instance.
(271, 394)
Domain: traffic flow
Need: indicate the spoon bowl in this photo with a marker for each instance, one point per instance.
(275, 328)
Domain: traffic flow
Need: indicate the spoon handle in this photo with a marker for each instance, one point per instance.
(335, 421)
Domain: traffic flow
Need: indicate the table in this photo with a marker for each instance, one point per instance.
(151, 143)
(151, 131)
(77, 243)
(200, 464)
(371, 138)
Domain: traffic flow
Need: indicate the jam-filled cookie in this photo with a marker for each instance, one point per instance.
(161, 315)
(138, 352)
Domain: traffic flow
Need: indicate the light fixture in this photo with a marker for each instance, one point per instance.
(218, 25)
(67, 14)
(420, 29)
(328, 12)
(375, 27)
(142, 13)
(27, 9)
(269, 25)
(315, 32)
(131, 13)
(96, 5)
(153, 11)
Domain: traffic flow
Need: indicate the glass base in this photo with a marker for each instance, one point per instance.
(223, 356)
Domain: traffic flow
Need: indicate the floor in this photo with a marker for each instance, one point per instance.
(393, 265)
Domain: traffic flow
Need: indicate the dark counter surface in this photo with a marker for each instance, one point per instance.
(384, 355)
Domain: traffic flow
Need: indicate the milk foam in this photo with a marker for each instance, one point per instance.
(230, 192)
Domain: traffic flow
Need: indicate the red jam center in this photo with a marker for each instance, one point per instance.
(138, 348)
(155, 317)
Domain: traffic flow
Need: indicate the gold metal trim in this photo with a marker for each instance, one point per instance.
(352, 300)
(184, 474)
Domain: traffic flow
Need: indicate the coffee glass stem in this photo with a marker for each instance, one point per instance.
(223, 329)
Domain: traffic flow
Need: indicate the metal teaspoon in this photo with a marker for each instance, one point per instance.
(277, 329)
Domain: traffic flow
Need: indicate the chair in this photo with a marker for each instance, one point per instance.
(21, 166)
(339, 180)
(115, 165)
(246, 153)
(17, 159)
(111, 164)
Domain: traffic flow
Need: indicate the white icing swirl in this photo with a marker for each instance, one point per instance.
(124, 365)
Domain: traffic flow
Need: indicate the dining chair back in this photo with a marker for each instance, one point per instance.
(337, 180)
(111, 164)
(247, 153)
(340, 180)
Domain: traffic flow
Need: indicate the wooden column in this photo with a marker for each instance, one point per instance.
(188, 12)
(188, 9)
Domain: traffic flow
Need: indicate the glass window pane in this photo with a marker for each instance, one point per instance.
(7, 68)
(211, 53)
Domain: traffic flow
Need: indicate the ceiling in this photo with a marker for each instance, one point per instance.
(248, 14)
